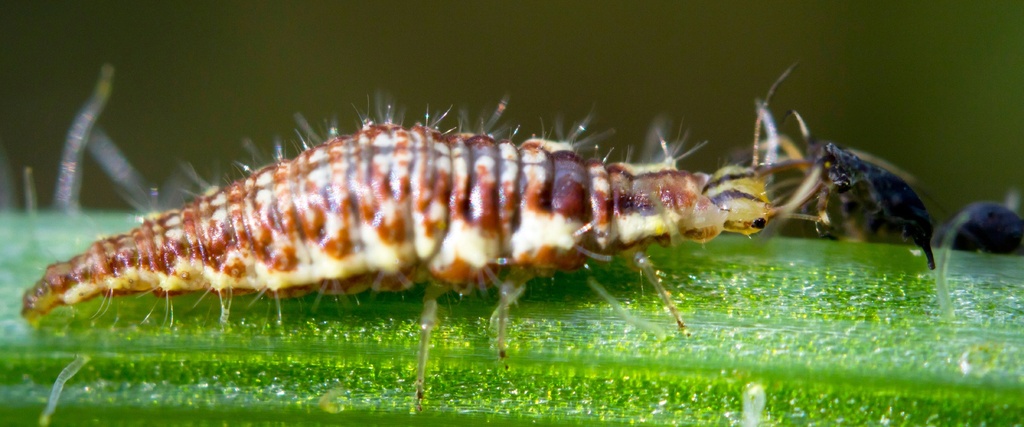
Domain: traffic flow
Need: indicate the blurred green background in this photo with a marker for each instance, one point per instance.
(936, 88)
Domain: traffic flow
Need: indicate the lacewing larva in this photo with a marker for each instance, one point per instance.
(388, 207)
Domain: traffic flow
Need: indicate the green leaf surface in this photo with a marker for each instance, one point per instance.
(832, 332)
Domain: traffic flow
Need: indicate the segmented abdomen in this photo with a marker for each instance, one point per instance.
(385, 208)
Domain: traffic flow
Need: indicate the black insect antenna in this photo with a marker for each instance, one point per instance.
(804, 130)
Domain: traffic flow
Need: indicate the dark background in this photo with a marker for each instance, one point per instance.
(935, 88)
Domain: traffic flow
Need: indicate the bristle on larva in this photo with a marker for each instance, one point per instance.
(388, 207)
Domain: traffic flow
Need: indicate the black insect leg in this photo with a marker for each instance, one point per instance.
(824, 225)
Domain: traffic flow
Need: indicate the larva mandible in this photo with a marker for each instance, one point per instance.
(388, 207)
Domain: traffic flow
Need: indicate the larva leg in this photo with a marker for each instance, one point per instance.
(510, 292)
(644, 264)
(225, 305)
(624, 313)
(427, 322)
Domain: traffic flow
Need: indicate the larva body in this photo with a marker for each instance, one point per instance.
(388, 207)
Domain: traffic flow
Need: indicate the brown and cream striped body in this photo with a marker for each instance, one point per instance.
(388, 207)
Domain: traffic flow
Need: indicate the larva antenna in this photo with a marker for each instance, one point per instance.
(69, 179)
(771, 134)
(808, 189)
(767, 100)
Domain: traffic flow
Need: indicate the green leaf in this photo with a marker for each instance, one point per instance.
(831, 332)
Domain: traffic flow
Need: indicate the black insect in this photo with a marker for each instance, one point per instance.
(884, 198)
(983, 226)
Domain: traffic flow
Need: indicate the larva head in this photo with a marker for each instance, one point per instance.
(741, 193)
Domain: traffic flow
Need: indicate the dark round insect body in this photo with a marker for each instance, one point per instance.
(984, 226)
